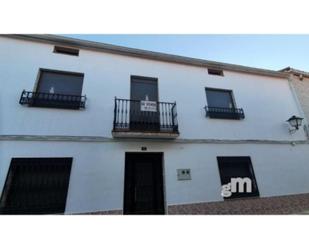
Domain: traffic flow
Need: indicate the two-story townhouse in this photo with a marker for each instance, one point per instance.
(87, 127)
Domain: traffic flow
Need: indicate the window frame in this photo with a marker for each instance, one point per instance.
(216, 112)
(65, 100)
(221, 90)
(42, 70)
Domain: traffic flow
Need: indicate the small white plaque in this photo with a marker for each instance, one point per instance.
(148, 106)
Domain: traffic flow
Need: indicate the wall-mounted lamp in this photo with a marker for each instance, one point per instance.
(295, 122)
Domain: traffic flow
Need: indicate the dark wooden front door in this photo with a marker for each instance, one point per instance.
(143, 88)
(143, 192)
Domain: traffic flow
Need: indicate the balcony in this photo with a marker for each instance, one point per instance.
(144, 119)
(224, 113)
(52, 100)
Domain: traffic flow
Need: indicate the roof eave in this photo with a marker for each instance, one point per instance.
(295, 72)
(103, 47)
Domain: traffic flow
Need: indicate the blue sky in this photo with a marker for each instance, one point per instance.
(264, 51)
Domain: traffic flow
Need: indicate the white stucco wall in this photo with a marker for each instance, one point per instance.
(97, 177)
(267, 101)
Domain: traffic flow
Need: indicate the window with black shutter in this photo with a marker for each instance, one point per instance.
(56, 89)
(219, 98)
(235, 167)
(221, 104)
(36, 186)
(59, 82)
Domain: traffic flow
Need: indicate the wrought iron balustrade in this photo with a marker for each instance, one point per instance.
(224, 113)
(129, 115)
(53, 100)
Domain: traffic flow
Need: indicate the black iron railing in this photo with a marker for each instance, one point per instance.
(224, 113)
(130, 115)
(53, 100)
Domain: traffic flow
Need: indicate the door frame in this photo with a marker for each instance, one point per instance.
(145, 78)
(151, 81)
(165, 207)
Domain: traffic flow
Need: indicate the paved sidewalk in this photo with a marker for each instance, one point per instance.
(290, 204)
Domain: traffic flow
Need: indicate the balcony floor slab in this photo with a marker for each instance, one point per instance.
(134, 134)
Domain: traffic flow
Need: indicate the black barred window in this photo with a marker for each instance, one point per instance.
(36, 186)
(237, 167)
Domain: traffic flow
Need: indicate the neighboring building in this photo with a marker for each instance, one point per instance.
(300, 83)
(88, 127)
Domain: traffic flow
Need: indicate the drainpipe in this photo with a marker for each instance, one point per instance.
(299, 106)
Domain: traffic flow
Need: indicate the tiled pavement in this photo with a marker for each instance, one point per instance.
(290, 204)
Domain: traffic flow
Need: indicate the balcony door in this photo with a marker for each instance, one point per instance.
(144, 107)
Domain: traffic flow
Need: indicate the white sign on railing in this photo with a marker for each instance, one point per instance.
(148, 106)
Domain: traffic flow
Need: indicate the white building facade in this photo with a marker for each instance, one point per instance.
(138, 131)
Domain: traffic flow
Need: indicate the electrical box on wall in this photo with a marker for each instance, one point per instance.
(183, 174)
